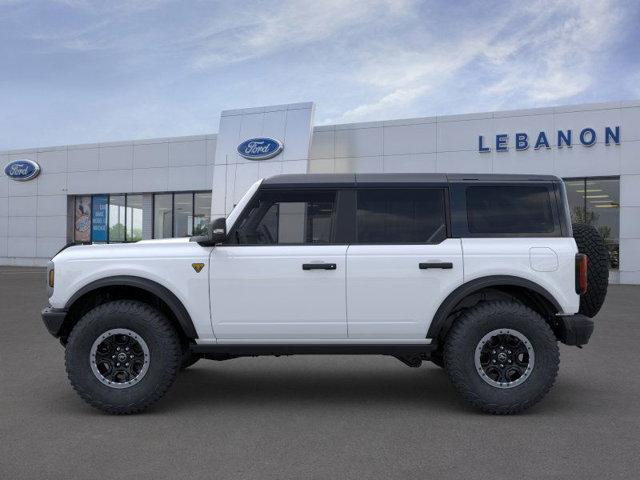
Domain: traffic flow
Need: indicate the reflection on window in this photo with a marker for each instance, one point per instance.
(596, 202)
(117, 218)
(134, 218)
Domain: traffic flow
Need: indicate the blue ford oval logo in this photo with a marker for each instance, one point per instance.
(22, 170)
(260, 148)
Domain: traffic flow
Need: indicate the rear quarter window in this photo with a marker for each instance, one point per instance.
(510, 209)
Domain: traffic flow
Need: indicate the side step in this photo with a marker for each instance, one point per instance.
(254, 350)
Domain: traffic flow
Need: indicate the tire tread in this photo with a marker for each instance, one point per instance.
(164, 330)
(457, 336)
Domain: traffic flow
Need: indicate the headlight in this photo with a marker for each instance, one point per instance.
(50, 278)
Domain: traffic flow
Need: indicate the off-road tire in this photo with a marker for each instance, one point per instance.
(164, 352)
(463, 339)
(188, 358)
(437, 358)
(591, 243)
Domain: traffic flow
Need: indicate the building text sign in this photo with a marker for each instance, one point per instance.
(564, 138)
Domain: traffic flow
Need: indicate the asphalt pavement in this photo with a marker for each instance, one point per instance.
(320, 417)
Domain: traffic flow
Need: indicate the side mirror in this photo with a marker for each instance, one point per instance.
(216, 233)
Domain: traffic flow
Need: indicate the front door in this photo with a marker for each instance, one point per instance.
(402, 264)
(280, 275)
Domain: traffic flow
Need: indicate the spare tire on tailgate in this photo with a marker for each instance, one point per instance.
(591, 243)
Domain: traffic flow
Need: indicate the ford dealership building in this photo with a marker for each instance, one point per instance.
(159, 188)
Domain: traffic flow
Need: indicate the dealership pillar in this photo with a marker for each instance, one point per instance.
(233, 174)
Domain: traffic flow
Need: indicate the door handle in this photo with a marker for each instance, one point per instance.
(443, 265)
(319, 266)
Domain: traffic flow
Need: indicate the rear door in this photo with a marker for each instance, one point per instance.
(402, 264)
(281, 275)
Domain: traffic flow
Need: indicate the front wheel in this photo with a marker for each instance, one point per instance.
(122, 356)
(502, 357)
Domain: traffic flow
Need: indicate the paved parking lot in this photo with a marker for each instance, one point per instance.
(316, 417)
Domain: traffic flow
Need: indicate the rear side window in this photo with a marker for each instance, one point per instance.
(509, 209)
(401, 216)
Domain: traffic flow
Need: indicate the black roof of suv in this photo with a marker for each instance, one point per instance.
(396, 179)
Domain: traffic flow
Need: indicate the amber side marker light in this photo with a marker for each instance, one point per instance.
(51, 278)
(582, 262)
(197, 266)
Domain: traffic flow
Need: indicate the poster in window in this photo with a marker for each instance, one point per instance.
(82, 223)
(99, 208)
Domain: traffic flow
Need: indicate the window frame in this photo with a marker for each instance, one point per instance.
(444, 191)
(336, 236)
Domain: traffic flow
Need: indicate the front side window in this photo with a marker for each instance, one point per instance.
(401, 216)
(510, 209)
(288, 218)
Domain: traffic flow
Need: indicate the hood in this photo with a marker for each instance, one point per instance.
(144, 248)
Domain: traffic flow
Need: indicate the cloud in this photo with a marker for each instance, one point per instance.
(257, 32)
(84, 71)
(555, 63)
(542, 52)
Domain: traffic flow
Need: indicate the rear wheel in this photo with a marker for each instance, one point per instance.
(502, 357)
(122, 356)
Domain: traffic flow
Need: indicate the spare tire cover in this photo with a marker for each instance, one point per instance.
(591, 243)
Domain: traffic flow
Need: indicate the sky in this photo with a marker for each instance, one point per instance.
(80, 71)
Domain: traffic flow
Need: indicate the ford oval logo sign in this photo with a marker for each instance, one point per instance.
(260, 148)
(22, 170)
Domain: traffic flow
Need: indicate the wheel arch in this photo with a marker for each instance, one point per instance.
(528, 292)
(128, 286)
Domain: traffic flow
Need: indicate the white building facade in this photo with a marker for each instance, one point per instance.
(142, 189)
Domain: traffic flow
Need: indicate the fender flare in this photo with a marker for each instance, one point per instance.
(439, 322)
(160, 291)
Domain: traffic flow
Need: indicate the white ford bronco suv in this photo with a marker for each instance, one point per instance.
(480, 274)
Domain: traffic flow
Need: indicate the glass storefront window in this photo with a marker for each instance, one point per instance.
(117, 218)
(162, 215)
(82, 219)
(134, 218)
(596, 202)
(201, 213)
(183, 214)
(99, 216)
